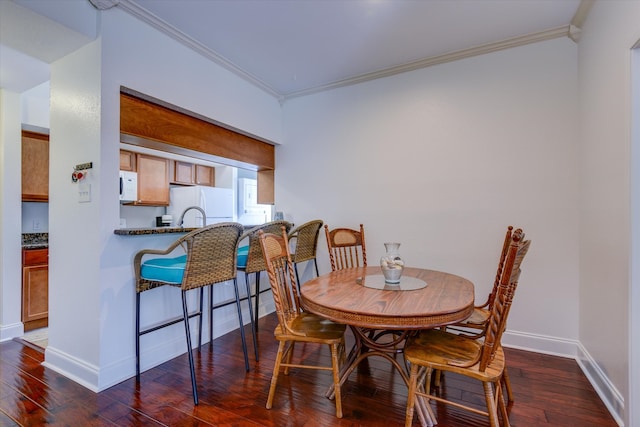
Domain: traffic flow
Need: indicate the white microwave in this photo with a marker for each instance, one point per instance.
(128, 186)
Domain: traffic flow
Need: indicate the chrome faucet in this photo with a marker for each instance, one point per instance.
(204, 216)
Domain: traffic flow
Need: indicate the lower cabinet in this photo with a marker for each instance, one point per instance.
(35, 288)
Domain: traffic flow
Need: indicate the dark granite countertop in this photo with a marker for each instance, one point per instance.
(151, 230)
(35, 240)
(160, 230)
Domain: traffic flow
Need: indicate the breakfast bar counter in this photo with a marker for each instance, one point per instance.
(151, 230)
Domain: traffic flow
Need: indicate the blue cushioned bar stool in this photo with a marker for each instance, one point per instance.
(210, 258)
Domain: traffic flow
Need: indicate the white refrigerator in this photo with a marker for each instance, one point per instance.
(216, 202)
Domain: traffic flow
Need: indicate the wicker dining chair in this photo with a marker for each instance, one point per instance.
(255, 262)
(305, 242)
(210, 258)
(347, 247)
(294, 324)
(475, 325)
(483, 360)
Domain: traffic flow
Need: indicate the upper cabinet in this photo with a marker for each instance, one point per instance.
(35, 167)
(127, 161)
(205, 175)
(153, 177)
(185, 173)
(153, 180)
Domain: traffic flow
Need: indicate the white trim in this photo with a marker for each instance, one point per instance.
(607, 391)
(572, 349)
(83, 373)
(8, 332)
(634, 253)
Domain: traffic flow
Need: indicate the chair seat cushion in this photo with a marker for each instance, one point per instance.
(243, 253)
(169, 270)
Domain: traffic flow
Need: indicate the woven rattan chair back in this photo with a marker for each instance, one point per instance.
(347, 247)
(255, 260)
(305, 244)
(211, 255)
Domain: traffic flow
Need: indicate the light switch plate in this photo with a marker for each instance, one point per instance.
(84, 193)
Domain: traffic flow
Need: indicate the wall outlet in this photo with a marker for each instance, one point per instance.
(36, 225)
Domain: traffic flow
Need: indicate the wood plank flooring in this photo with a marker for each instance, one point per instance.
(549, 391)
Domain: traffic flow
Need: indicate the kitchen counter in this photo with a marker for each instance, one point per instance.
(152, 230)
(35, 240)
(160, 230)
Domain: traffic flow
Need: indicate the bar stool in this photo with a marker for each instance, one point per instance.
(210, 258)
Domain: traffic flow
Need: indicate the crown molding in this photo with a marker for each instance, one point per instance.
(441, 59)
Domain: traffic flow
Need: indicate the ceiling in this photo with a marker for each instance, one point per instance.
(290, 48)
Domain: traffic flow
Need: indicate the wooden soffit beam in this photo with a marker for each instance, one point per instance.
(149, 120)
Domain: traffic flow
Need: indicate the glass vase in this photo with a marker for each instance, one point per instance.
(391, 263)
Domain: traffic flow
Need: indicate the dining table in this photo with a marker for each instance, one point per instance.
(383, 315)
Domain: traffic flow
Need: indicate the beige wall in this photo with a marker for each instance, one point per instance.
(610, 31)
(442, 160)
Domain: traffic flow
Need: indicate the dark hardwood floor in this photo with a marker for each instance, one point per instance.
(549, 391)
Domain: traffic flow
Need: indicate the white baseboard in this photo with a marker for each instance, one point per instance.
(611, 397)
(573, 349)
(99, 379)
(73, 368)
(9, 332)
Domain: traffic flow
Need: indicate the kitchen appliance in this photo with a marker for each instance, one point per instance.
(250, 212)
(128, 186)
(217, 203)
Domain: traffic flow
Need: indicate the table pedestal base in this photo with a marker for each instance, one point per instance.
(369, 342)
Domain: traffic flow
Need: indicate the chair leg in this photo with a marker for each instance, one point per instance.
(491, 404)
(316, 264)
(244, 340)
(276, 372)
(253, 324)
(295, 268)
(501, 405)
(200, 319)
(411, 397)
(336, 379)
(507, 384)
(257, 299)
(185, 312)
(210, 315)
(137, 336)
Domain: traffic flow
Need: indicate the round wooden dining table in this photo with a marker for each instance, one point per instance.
(381, 316)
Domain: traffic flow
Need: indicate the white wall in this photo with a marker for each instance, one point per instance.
(610, 32)
(10, 196)
(92, 308)
(442, 160)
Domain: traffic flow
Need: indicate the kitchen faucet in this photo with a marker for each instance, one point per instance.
(204, 216)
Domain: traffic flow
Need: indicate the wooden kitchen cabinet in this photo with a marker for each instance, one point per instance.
(182, 173)
(35, 167)
(127, 161)
(205, 175)
(35, 288)
(185, 173)
(153, 180)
